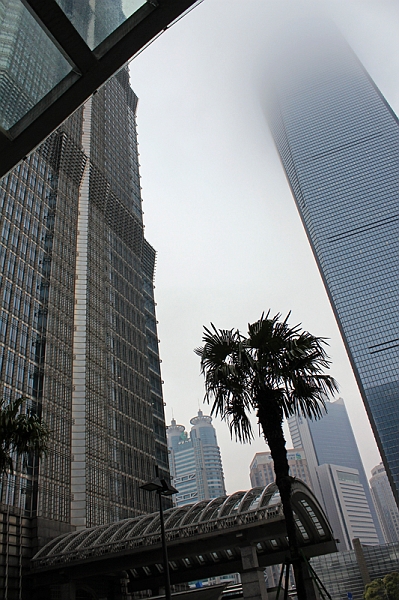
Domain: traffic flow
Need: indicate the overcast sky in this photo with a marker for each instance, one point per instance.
(217, 206)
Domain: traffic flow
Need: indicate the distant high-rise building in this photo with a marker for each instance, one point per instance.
(330, 440)
(385, 503)
(338, 141)
(195, 461)
(261, 469)
(78, 334)
(346, 504)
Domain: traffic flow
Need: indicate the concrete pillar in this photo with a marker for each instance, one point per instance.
(252, 578)
(312, 593)
(68, 591)
(361, 561)
(121, 584)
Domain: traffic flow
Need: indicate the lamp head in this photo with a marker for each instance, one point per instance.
(155, 485)
(168, 489)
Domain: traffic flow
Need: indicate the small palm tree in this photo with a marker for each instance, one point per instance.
(276, 372)
(20, 433)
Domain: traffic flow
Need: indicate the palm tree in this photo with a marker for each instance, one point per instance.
(276, 372)
(20, 433)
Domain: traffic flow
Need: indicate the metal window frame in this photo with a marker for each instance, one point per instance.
(90, 69)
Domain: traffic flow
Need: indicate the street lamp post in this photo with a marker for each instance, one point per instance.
(162, 487)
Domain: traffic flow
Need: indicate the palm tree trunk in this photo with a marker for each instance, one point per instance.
(271, 420)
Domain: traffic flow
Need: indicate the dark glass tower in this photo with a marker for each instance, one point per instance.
(78, 334)
(339, 144)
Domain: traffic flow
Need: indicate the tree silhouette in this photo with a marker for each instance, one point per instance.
(275, 371)
(20, 433)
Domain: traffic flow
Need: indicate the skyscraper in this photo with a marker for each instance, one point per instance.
(78, 334)
(195, 461)
(385, 503)
(261, 469)
(330, 441)
(346, 504)
(338, 140)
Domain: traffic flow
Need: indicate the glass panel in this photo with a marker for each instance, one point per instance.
(301, 527)
(95, 20)
(211, 511)
(255, 502)
(193, 515)
(275, 499)
(30, 64)
(313, 517)
(345, 476)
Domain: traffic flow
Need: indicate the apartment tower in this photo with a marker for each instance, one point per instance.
(261, 469)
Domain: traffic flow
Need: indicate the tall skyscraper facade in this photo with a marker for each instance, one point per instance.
(195, 461)
(338, 140)
(385, 503)
(330, 441)
(78, 334)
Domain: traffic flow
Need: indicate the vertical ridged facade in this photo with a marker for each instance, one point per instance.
(339, 144)
(78, 332)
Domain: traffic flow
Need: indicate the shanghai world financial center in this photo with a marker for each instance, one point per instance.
(338, 140)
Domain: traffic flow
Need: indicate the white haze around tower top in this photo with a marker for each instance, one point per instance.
(217, 206)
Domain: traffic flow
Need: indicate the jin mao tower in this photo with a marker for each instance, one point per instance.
(78, 333)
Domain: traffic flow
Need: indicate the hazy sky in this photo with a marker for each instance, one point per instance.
(217, 206)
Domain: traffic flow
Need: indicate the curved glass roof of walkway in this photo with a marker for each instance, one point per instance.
(55, 53)
(208, 532)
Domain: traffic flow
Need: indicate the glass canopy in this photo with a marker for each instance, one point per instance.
(55, 53)
(96, 20)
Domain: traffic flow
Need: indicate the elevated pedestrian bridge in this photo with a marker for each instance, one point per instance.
(204, 539)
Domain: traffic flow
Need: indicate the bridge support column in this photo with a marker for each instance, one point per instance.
(310, 587)
(252, 578)
(68, 591)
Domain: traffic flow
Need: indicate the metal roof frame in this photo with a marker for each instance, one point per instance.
(196, 549)
(90, 68)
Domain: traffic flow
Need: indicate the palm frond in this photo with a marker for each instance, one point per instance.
(20, 432)
(277, 365)
(226, 366)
